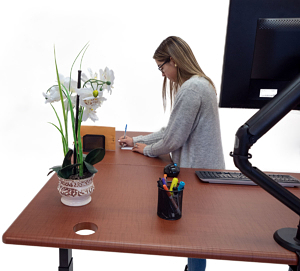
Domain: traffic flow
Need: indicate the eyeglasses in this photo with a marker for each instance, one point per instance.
(160, 67)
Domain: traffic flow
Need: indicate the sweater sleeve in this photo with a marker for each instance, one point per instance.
(181, 122)
(149, 139)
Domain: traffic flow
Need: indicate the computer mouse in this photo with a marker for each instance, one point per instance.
(172, 170)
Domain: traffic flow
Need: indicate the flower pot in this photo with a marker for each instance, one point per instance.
(76, 192)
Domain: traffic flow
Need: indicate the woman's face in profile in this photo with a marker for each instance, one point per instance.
(168, 69)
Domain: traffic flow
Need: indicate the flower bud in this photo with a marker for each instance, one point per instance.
(95, 93)
(108, 83)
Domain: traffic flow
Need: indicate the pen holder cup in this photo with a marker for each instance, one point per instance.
(169, 205)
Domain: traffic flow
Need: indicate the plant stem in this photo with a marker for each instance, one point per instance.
(76, 121)
(80, 155)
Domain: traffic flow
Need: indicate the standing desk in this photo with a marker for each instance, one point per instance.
(228, 222)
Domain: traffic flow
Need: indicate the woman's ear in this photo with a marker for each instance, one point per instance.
(172, 61)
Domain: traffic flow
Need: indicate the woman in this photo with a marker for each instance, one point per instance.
(192, 135)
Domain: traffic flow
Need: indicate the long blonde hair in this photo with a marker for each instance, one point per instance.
(187, 65)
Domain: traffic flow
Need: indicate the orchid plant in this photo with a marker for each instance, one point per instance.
(78, 104)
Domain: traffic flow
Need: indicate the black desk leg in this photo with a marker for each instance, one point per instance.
(65, 260)
(293, 268)
(296, 267)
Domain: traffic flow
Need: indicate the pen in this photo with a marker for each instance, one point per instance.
(125, 131)
(172, 200)
(123, 144)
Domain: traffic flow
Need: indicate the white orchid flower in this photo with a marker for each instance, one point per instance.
(73, 84)
(93, 75)
(52, 95)
(107, 75)
(88, 92)
(90, 99)
(83, 94)
(84, 78)
(94, 102)
(91, 104)
(73, 101)
(89, 113)
(68, 82)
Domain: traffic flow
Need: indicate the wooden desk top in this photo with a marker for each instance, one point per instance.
(229, 222)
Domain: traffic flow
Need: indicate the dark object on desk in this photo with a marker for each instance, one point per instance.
(172, 170)
(169, 203)
(239, 178)
(91, 142)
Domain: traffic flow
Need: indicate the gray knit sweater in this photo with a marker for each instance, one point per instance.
(192, 135)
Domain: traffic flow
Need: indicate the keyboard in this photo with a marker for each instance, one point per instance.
(239, 178)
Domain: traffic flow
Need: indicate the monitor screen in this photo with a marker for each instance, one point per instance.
(262, 51)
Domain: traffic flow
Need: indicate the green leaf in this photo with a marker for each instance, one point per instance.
(67, 161)
(62, 100)
(67, 171)
(84, 47)
(90, 168)
(95, 156)
(55, 168)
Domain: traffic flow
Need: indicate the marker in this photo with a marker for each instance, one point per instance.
(164, 181)
(174, 183)
(172, 200)
(181, 186)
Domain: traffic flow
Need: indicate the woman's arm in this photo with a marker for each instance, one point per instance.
(147, 139)
(151, 138)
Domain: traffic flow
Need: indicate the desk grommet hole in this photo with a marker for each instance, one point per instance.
(85, 228)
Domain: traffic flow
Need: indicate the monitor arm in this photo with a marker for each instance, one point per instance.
(259, 124)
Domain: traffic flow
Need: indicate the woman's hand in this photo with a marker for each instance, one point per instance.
(139, 147)
(126, 142)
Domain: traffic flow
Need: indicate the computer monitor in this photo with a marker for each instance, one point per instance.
(262, 51)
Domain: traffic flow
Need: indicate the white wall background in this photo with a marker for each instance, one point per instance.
(123, 35)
